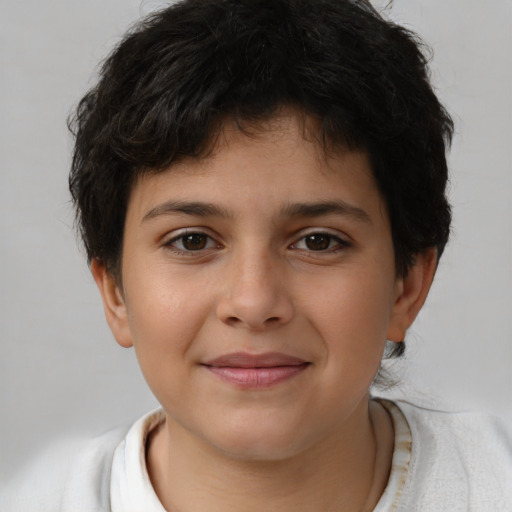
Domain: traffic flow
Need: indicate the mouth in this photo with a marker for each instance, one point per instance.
(256, 371)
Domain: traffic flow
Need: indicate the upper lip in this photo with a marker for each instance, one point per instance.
(245, 360)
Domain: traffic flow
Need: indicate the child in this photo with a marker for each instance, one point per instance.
(260, 188)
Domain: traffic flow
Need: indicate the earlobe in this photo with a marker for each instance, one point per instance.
(113, 303)
(412, 291)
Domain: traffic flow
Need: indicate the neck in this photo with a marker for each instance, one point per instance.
(345, 472)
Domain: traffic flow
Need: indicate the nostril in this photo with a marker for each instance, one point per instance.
(234, 320)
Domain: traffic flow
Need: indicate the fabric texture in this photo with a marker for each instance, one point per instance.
(442, 462)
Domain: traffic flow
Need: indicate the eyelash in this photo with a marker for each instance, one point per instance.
(339, 243)
(191, 252)
(210, 243)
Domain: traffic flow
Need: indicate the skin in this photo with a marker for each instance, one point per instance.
(255, 283)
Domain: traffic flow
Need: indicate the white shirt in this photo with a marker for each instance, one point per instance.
(442, 462)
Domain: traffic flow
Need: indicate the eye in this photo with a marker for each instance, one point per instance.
(192, 241)
(319, 242)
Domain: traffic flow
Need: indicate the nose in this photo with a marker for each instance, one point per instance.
(255, 294)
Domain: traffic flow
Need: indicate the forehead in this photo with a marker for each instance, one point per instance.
(263, 166)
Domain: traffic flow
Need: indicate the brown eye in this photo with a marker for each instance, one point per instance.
(194, 241)
(191, 242)
(321, 242)
(317, 242)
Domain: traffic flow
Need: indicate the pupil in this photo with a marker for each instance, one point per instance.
(318, 242)
(194, 242)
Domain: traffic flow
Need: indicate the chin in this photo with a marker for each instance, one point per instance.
(257, 440)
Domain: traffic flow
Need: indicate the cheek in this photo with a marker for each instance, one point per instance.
(165, 315)
(352, 313)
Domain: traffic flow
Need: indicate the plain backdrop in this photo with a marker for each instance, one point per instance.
(60, 369)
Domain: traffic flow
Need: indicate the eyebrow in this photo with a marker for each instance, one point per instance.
(317, 209)
(198, 209)
(313, 209)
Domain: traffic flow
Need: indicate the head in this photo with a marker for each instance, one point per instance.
(172, 85)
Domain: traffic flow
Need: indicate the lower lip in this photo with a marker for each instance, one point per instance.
(255, 378)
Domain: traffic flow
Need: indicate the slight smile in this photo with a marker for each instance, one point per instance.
(256, 371)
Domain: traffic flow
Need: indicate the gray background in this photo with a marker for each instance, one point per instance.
(60, 369)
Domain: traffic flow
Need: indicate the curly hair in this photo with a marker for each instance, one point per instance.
(170, 84)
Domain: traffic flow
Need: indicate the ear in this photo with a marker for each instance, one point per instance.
(113, 303)
(411, 293)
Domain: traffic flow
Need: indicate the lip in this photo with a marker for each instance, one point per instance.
(256, 370)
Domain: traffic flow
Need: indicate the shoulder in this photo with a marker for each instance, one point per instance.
(433, 415)
(71, 476)
(459, 460)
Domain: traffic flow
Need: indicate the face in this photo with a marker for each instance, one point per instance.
(259, 288)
